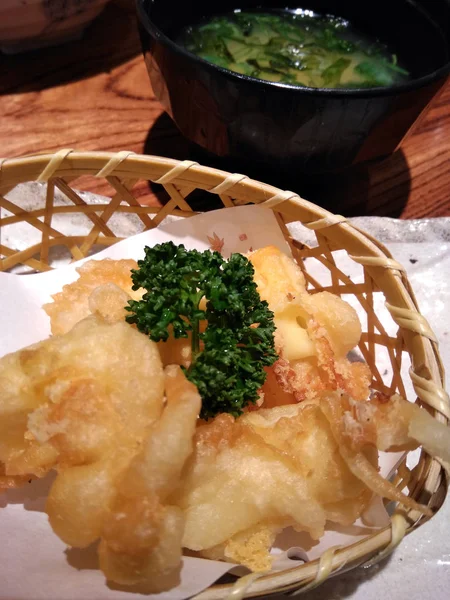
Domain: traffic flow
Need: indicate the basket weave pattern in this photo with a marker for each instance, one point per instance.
(414, 340)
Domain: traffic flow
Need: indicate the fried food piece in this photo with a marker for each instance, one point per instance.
(90, 404)
(71, 305)
(338, 318)
(109, 301)
(79, 498)
(104, 288)
(121, 498)
(65, 400)
(142, 534)
(269, 469)
(273, 393)
(248, 547)
(295, 465)
(309, 378)
(279, 279)
(17, 401)
(304, 434)
(314, 334)
(393, 424)
(176, 351)
(433, 436)
(12, 481)
(356, 428)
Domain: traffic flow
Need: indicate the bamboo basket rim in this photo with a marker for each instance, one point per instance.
(182, 177)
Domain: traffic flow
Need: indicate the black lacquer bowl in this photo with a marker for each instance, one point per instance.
(291, 128)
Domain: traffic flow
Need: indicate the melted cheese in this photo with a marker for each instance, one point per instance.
(295, 340)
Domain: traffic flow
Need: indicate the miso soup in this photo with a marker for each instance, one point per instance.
(295, 47)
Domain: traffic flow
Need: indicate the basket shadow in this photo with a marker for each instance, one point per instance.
(379, 188)
(345, 585)
(110, 40)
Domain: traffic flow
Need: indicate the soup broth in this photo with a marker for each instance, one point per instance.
(295, 47)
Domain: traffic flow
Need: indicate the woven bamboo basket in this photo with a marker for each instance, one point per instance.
(125, 173)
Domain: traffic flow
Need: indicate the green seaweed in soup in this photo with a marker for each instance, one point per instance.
(298, 47)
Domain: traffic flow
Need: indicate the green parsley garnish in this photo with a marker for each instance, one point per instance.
(229, 357)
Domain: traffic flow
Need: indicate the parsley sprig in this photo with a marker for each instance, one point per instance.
(229, 357)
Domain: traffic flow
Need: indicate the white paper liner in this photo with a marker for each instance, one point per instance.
(28, 544)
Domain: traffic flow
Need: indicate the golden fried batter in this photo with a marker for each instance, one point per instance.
(64, 401)
(142, 533)
(121, 498)
(104, 289)
(295, 465)
(269, 469)
(313, 336)
(90, 404)
(71, 305)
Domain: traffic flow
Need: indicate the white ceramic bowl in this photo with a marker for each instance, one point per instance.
(30, 24)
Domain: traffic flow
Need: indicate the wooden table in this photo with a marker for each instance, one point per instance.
(95, 95)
